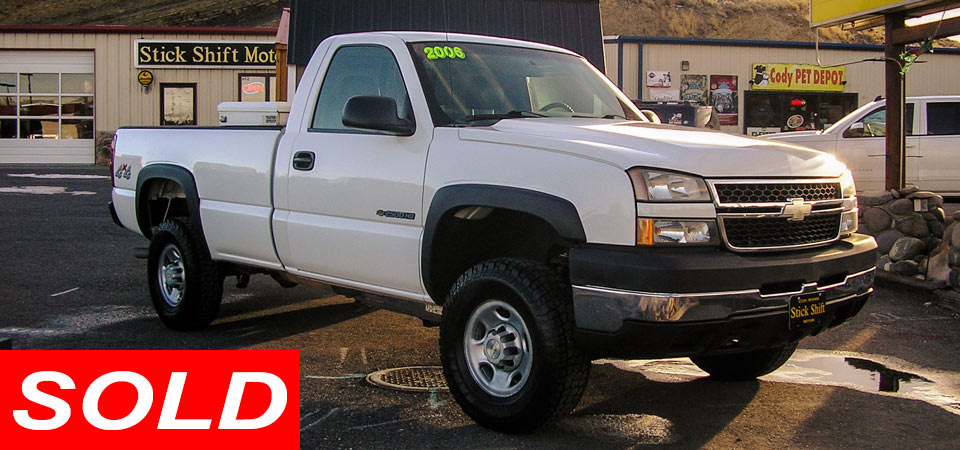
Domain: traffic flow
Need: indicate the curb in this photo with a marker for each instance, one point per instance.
(942, 295)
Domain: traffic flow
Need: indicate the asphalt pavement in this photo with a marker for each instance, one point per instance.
(890, 378)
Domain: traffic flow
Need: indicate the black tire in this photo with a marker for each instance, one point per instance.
(558, 371)
(745, 366)
(201, 284)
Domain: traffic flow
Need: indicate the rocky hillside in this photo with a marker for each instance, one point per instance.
(195, 13)
(779, 20)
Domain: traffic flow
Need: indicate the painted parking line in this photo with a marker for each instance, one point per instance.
(42, 190)
(58, 176)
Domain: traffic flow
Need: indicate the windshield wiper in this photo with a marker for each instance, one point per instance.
(515, 114)
(608, 116)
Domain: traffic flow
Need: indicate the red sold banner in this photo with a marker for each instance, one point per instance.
(150, 399)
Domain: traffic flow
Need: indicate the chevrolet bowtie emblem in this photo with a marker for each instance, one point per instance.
(796, 210)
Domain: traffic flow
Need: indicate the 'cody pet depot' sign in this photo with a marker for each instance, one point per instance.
(797, 77)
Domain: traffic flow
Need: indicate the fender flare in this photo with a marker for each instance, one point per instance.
(178, 175)
(559, 213)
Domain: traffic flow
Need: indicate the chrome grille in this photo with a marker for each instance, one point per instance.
(770, 215)
(732, 193)
(773, 232)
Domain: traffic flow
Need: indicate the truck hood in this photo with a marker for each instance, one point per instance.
(629, 144)
(793, 134)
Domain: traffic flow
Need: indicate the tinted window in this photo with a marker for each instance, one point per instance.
(875, 123)
(943, 118)
(358, 70)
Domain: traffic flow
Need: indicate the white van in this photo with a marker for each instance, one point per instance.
(933, 143)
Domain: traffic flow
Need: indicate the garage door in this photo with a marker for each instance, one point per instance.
(46, 106)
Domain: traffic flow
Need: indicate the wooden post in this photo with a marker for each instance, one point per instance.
(895, 94)
(281, 82)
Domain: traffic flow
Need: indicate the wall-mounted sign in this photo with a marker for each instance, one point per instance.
(658, 79)
(145, 78)
(724, 98)
(204, 55)
(797, 77)
(693, 88)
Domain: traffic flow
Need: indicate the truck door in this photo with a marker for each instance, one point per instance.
(862, 147)
(940, 146)
(354, 197)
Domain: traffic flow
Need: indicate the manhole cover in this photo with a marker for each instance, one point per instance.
(416, 379)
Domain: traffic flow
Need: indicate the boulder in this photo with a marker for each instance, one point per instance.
(931, 242)
(954, 237)
(906, 268)
(954, 279)
(912, 226)
(923, 262)
(895, 193)
(953, 257)
(874, 198)
(935, 214)
(886, 239)
(937, 268)
(935, 227)
(905, 248)
(948, 233)
(956, 215)
(909, 190)
(876, 220)
(901, 207)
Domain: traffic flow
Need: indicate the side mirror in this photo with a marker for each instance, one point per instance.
(855, 131)
(370, 112)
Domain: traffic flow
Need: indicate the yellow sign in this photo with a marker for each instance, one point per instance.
(797, 77)
(833, 12)
(145, 77)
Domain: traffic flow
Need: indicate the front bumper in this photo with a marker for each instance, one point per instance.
(710, 301)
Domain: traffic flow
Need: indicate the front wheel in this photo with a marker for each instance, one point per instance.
(507, 348)
(185, 284)
(745, 366)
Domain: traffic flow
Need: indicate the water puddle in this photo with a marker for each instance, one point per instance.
(872, 374)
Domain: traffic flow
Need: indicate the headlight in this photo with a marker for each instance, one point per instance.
(847, 186)
(660, 186)
(676, 232)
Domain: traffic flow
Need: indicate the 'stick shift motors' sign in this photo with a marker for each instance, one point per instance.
(148, 399)
(215, 54)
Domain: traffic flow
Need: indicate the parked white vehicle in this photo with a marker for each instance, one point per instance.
(933, 143)
(509, 191)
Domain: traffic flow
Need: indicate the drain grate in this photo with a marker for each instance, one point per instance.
(414, 379)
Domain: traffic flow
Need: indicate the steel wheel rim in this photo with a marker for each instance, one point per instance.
(498, 348)
(171, 275)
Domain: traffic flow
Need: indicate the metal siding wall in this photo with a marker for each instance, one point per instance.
(573, 24)
(935, 77)
(120, 101)
(610, 53)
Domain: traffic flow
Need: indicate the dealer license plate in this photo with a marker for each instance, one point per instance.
(807, 311)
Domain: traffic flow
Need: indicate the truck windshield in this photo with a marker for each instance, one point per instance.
(475, 84)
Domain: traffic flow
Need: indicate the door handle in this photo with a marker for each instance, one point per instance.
(875, 155)
(303, 160)
(914, 156)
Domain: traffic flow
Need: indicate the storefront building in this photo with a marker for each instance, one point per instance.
(61, 87)
(760, 87)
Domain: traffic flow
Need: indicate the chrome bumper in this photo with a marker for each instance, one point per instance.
(603, 309)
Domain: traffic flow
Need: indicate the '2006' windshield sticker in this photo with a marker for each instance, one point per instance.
(444, 52)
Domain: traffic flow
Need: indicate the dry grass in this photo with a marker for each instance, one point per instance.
(243, 13)
(779, 20)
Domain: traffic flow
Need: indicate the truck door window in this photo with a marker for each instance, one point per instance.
(943, 118)
(358, 70)
(875, 124)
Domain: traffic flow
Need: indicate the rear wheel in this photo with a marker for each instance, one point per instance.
(185, 284)
(745, 366)
(506, 342)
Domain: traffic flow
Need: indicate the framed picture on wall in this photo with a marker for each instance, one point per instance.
(178, 103)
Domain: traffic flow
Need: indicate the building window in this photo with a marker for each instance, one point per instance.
(178, 103)
(795, 111)
(46, 105)
(257, 87)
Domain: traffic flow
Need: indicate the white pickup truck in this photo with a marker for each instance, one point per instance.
(932, 125)
(508, 191)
